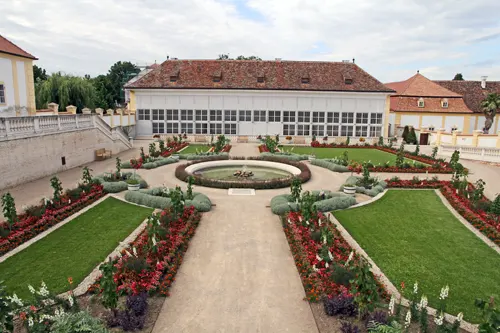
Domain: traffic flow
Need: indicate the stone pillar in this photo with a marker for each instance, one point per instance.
(86, 111)
(99, 111)
(475, 137)
(110, 112)
(454, 137)
(54, 107)
(71, 109)
(439, 132)
(120, 112)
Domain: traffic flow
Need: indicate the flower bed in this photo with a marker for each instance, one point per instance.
(148, 266)
(114, 182)
(28, 226)
(305, 175)
(483, 222)
(325, 201)
(436, 165)
(225, 149)
(157, 160)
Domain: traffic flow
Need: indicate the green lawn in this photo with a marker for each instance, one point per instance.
(74, 249)
(356, 154)
(191, 149)
(412, 237)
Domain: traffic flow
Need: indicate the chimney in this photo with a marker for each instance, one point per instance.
(278, 59)
(483, 81)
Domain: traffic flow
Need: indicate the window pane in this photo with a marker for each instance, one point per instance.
(346, 131)
(304, 117)
(303, 130)
(361, 118)
(318, 117)
(333, 117)
(347, 117)
(361, 131)
(187, 128)
(186, 114)
(332, 130)
(318, 130)
(2, 93)
(201, 115)
(201, 128)
(376, 118)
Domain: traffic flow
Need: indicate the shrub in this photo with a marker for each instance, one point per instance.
(77, 322)
(152, 198)
(287, 155)
(379, 317)
(340, 274)
(341, 304)
(347, 327)
(120, 185)
(285, 203)
(336, 203)
(134, 316)
(328, 164)
(9, 209)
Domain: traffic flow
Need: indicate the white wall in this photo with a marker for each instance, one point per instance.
(8, 81)
(256, 100)
(451, 121)
(487, 141)
(409, 121)
(435, 121)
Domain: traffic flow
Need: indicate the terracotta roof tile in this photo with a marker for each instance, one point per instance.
(420, 86)
(6, 46)
(431, 104)
(471, 91)
(243, 74)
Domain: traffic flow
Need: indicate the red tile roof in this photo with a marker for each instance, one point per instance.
(6, 46)
(418, 86)
(243, 74)
(471, 91)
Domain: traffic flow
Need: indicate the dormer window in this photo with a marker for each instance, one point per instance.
(454, 128)
(216, 78)
(347, 78)
(444, 103)
(421, 103)
(260, 79)
(305, 80)
(173, 78)
(430, 128)
(348, 81)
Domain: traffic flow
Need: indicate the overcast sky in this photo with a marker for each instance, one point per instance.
(390, 39)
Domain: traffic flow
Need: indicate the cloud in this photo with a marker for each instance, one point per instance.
(390, 39)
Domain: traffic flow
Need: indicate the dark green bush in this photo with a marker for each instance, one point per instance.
(328, 164)
(156, 199)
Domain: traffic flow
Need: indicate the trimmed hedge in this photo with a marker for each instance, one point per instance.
(283, 203)
(204, 157)
(379, 188)
(328, 164)
(119, 186)
(288, 156)
(159, 161)
(152, 198)
(305, 175)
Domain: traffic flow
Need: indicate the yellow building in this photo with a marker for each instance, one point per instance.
(434, 105)
(17, 88)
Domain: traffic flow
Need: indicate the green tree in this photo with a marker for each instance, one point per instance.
(248, 58)
(495, 207)
(119, 74)
(224, 56)
(458, 77)
(103, 92)
(65, 90)
(39, 74)
(490, 105)
(406, 131)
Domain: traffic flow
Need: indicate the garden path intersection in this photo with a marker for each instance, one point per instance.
(238, 274)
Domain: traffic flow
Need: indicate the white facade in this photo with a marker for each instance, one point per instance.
(252, 112)
(9, 87)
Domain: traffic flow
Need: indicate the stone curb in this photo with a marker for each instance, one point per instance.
(51, 229)
(391, 289)
(469, 226)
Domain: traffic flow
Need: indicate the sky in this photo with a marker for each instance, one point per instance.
(390, 39)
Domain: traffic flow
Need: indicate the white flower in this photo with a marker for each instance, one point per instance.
(44, 291)
(71, 300)
(391, 305)
(408, 318)
(315, 269)
(330, 255)
(15, 299)
(318, 257)
(460, 317)
(289, 221)
(69, 201)
(415, 288)
(324, 239)
(423, 303)
(307, 222)
(154, 240)
(128, 253)
(350, 258)
(319, 222)
(32, 290)
(134, 250)
(30, 322)
(326, 265)
(439, 320)
(444, 292)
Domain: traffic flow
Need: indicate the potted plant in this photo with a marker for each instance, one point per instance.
(133, 184)
(350, 188)
(288, 138)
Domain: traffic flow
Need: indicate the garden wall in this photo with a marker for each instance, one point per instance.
(26, 159)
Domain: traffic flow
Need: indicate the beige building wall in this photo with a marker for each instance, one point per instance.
(16, 74)
(39, 156)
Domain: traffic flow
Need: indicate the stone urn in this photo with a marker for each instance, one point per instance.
(350, 189)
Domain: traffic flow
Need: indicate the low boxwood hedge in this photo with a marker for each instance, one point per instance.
(119, 186)
(204, 156)
(284, 203)
(288, 156)
(328, 164)
(152, 198)
(378, 188)
(305, 175)
(157, 162)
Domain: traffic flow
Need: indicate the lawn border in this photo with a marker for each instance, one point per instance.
(43, 234)
(388, 285)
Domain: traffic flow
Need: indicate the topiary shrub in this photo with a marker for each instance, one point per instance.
(336, 203)
(156, 198)
(378, 188)
(119, 186)
(284, 203)
(288, 156)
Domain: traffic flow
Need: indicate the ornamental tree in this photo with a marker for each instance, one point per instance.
(495, 207)
(296, 189)
(9, 209)
(57, 186)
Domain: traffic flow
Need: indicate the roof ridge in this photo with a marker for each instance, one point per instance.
(25, 55)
